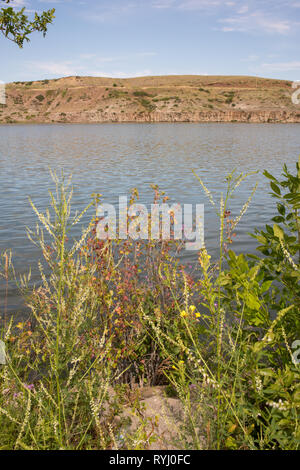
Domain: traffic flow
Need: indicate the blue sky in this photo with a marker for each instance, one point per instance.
(128, 38)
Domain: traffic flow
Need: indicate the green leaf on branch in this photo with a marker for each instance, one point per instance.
(16, 26)
(278, 232)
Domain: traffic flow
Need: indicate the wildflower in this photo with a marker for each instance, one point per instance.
(192, 308)
(280, 405)
(204, 259)
(183, 313)
(258, 384)
(197, 315)
(29, 386)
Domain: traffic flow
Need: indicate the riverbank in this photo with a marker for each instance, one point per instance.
(150, 99)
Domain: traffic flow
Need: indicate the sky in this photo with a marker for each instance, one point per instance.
(130, 38)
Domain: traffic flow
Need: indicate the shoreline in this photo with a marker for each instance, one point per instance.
(143, 122)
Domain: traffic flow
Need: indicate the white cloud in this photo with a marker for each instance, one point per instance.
(102, 60)
(113, 74)
(163, 4)
(256, 22)
(16, 4)
(245, 15)
(87, 56)
(243, 9)
(198, 4)
(66, 69)
(54, 68)
(282, 66)
(192, 4)
(90, 64)
(251, 58)
(109, 11)
(19, 3)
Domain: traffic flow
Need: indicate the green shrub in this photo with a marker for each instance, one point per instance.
(240, 381)
(150, 107)
(141, 93)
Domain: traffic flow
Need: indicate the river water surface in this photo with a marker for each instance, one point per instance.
(113, 158)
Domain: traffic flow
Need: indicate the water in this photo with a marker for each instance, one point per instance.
(113, 158)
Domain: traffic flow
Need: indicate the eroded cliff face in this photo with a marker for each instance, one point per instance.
(150, 99)
(229, 116)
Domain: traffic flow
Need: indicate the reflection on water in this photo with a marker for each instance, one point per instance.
(113, 158)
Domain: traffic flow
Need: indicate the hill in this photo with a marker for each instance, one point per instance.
(187, 98)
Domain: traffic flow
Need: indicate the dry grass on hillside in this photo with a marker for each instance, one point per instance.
(161, 98)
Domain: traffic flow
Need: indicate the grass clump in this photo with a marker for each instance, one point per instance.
(141, 93)
(40, 98)
(149, 107)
